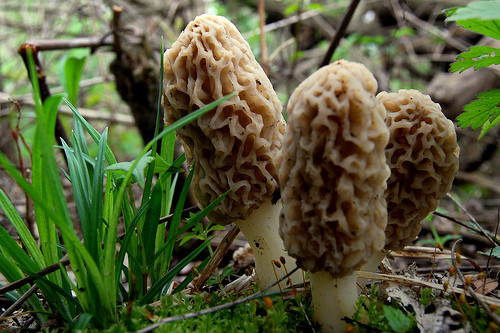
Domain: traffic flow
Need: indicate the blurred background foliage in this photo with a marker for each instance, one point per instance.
(406, 44)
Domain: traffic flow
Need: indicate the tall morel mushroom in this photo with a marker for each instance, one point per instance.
(333, 175)
(235, 145)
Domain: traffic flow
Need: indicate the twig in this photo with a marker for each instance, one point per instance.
(219, 253)
(457, 221)
(473, 219)
(92, 42)
(421, 24)
(470, 290)
(215, 308)
(47, 270)
(417, 283)
(340, 32)
(19, 301)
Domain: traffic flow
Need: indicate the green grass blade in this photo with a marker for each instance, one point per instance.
(97, 206)
(109, 261)
(23, 232)
(78, 175)
(150, 227)
(183, 285)
(110, 157)
(176, 218)
(10, 248)
(156, 289)
(149, 178)
(125, 244)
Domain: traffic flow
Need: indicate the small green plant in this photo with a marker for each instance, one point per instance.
(482, 17)
(372, 313)
(102, 190)
(203, 312)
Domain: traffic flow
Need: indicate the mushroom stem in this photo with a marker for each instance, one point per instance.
(333, 299)
(372, 264)
(261, 231)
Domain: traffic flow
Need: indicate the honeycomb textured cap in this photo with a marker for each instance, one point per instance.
(333, 170)
(234, 145)
(423, 156)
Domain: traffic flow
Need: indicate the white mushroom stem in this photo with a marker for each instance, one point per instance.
(261, 231)
(372, 264)
(333, 299)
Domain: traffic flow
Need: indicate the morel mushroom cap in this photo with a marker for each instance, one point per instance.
(423, 156)
(333, 171)
(233, 146)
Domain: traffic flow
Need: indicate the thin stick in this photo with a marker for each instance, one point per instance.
(340, 32)
(468, 287)
(219, 253)
(473, 219)
(19, 301)
(215, 308)
(47, 270)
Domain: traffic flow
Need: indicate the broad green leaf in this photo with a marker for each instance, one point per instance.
(483, 10)
(487, 28)
(397, 319)
(138, 171)
(161, 166)
(477, 57)
(485, 108)
(70, 73)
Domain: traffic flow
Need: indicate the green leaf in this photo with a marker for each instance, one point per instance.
(110, 157)
(138, 172)
(23, 232)
(291, 9)
(485, 108)
(487, 28)
(477, 57)
(316, 6)
(483, 10)
(495, 252)
(161, 166)
(168, 278)
(489, 125)
(151, 224)
(397, 320)
(70, 73)
(402, 32)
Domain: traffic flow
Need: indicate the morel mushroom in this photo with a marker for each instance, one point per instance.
(333, 175)
(233, 146)
(423, 156)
